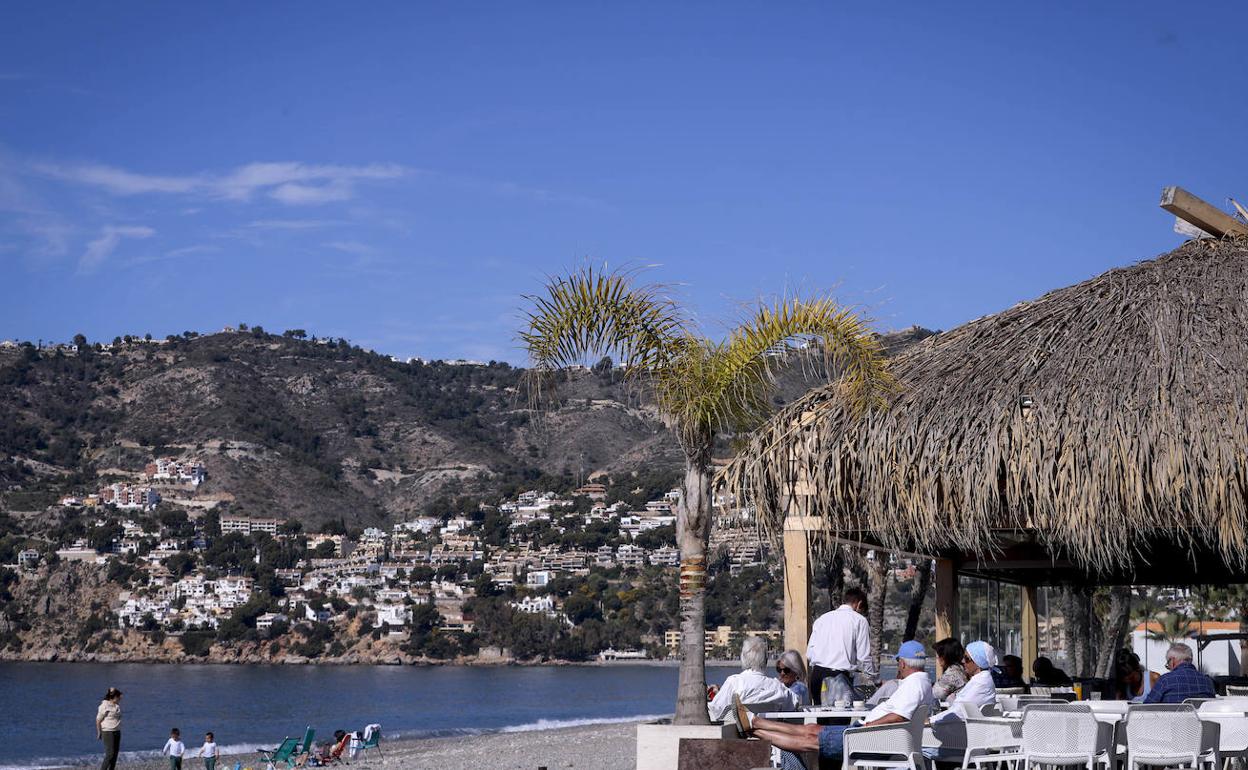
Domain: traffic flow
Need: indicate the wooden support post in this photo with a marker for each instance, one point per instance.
(1030, 629)
(1197, 212)
(796, 584)
(946, 601)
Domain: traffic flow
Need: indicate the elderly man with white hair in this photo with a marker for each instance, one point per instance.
(755, 689)
(914, 690)
(1182, 681)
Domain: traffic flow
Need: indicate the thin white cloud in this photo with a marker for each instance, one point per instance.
(287, 182)
(291, 224)
(351, 247)
(302, 194)
(119, 181)
(110, 238)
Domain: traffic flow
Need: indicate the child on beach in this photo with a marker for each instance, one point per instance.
(174, 749)
(209, 752)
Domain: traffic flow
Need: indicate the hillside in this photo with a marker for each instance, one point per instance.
(312, 430)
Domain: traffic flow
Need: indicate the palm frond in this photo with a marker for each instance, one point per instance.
(600, 312)
(728, 386)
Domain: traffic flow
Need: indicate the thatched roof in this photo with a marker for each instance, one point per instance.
(1137, 431)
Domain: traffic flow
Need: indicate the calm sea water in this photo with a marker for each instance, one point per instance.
(47, 711)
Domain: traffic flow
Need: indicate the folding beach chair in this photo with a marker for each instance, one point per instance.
(306, 746)
(372, 740)
(283, 753)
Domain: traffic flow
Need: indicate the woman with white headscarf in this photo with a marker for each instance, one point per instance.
(978, 662)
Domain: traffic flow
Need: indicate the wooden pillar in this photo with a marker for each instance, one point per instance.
(796, 584)
(946, 599)
(1030, 629)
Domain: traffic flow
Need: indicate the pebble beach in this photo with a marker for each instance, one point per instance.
(589, 747)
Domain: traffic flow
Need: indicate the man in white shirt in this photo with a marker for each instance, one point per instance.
(840, 646)
(913, 690)
(752, 687)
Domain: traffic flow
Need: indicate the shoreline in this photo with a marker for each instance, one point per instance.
(606, 745)
(343, 663)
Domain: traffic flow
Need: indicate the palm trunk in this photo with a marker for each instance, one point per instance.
(1076, 607)
(693, 527)
(1114, 630)
(834, 571)
(922, 581)
(877, 572)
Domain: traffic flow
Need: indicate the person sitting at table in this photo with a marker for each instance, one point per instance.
(752, 686)
(1045, 674)
(979, 690)
(914, 690)
(1009, 673)
(791, 672)
(954, 677)
(1131, 681)
(1182, 680)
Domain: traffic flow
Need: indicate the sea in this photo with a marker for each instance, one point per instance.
(47, 710)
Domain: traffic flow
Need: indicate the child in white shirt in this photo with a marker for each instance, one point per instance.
(209, 752)
(174, 749)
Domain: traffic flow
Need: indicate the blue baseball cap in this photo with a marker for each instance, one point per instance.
(911, 649)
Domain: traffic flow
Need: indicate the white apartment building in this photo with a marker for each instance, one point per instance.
(169, 469)
(395, 615)
(536, 604)
(247, 525)
(630, 556)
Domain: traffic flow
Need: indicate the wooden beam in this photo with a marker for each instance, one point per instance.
(1031, 629)
(946, 601)
(1197, 212)
(796, 588)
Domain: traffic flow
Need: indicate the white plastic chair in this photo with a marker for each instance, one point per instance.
(993, 741)
(1066, 735)
(1170, 735)
(885, 746)
(1232, 726)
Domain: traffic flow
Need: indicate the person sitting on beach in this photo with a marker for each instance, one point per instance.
(326, 753)
(1182, 681)
(754, 688)
(1045, 674)
(954, 677)
(791, 672)
(914, 690)
(1009, 673)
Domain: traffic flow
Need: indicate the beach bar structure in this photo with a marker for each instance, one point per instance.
(1097, 435)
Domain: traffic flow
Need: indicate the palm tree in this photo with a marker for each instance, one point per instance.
(704, 389)
(1173, 627)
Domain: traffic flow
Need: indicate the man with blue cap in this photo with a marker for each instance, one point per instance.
(914, 690)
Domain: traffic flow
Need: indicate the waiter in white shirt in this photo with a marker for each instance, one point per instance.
(840, 646)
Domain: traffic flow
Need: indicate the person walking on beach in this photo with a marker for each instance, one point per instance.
(174, 749)
(840, 646)
(108, 727)
(209, 752)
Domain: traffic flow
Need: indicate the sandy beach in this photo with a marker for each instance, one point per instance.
(592, 747)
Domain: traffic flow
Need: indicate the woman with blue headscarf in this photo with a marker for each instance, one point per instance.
(979, 689)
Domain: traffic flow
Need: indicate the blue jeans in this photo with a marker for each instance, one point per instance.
(832, 741)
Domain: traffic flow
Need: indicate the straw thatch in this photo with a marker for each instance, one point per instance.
(1136, 433)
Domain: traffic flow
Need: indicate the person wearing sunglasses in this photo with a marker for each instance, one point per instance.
(752, 686)
(791, 672)
(980, 688)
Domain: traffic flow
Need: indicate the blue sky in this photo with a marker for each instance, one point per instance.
(399, 174)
